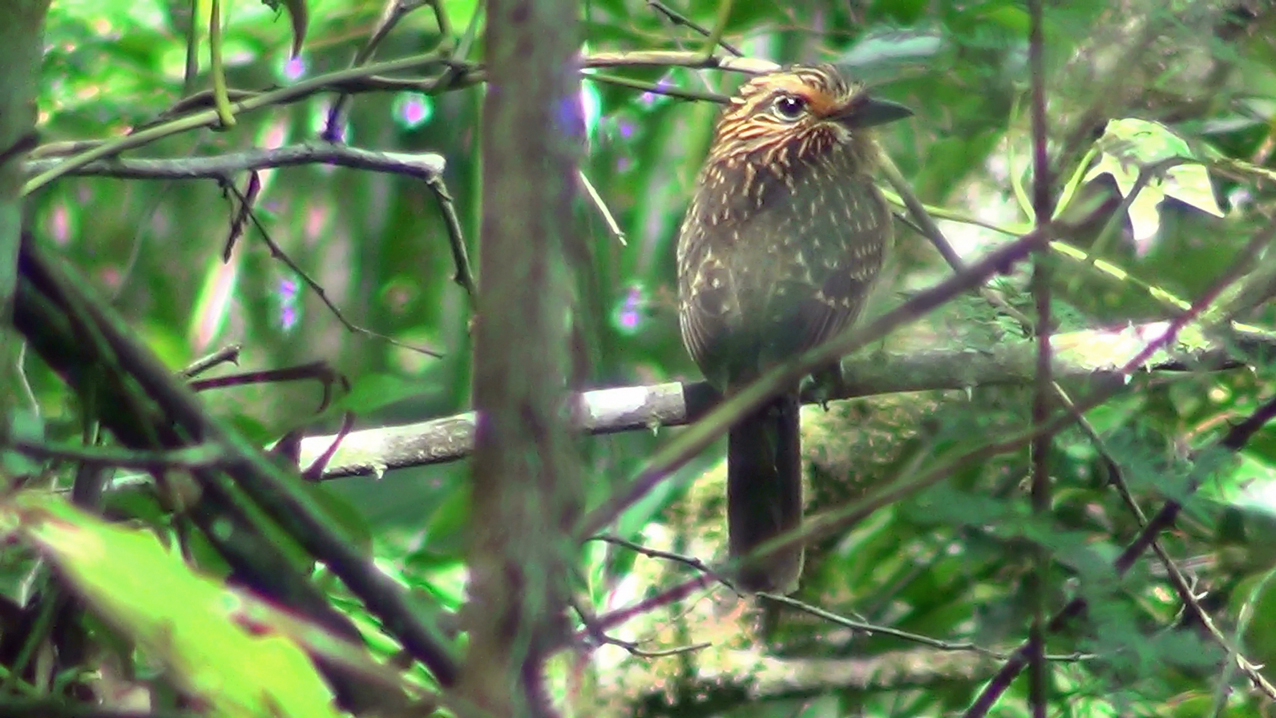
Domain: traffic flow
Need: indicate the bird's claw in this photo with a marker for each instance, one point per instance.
(820, 387)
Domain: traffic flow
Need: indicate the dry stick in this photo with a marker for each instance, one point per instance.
(874, 629)
(666, 597)
(691, 561)
(1093, 354)
(463, 275)
(427, 167)
(424, 166)
(601, 205)
(227, 354)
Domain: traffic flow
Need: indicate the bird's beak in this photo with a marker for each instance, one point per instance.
(870, 112)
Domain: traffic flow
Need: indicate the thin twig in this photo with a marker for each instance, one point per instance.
(659, 88)
(391, 15)
(423, 166)
(690, 561)
(228, 353)
(278, 253)
(714, 37)
(367, 79)
(647, 605)
(931, 231)
(678, 18)
(319, 371)
(871, 629)
(601, 638)
(601, 206)
(463, 275)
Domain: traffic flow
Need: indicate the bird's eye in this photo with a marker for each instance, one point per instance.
(790, 107)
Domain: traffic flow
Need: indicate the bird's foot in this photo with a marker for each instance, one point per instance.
(822, 386)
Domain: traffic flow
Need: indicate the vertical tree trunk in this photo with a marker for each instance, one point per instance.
(526, 482)
(21, 47)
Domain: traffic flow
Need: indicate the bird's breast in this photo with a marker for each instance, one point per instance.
(771, 263)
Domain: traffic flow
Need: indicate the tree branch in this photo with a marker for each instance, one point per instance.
(1096, 355)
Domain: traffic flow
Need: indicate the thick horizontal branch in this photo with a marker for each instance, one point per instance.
(1096, 355)
(425, 166)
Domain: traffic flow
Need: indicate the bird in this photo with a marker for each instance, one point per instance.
(781, 242)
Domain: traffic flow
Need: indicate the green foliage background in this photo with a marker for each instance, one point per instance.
(950, 562)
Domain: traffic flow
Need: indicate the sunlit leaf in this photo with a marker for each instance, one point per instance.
(178, 617)
(1132, 146)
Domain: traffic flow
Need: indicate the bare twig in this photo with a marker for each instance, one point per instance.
(678, 18)
(464, 276)
(690, 561)
(427, 167)
(228, 353)
(871, 628)
(391, 15)
(423, 166)
(647, 605)
(277, 252)
(601, 206)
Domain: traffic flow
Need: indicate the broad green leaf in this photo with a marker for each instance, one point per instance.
(186, 621)
(1132, 146)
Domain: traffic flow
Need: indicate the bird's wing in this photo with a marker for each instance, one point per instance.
(707, 311)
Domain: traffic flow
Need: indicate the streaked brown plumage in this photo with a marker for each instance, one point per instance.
(783, 238)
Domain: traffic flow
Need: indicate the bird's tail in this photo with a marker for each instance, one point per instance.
(764, 494)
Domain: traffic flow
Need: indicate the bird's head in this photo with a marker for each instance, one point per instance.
(798, 114)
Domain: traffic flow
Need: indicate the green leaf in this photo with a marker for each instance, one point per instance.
(371, 392)
(187, 621)
(1131, 146)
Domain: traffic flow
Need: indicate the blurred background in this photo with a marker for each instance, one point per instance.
(947, 563)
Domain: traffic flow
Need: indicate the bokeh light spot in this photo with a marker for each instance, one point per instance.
(294, 68)
(413, 109)
(630, 311)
